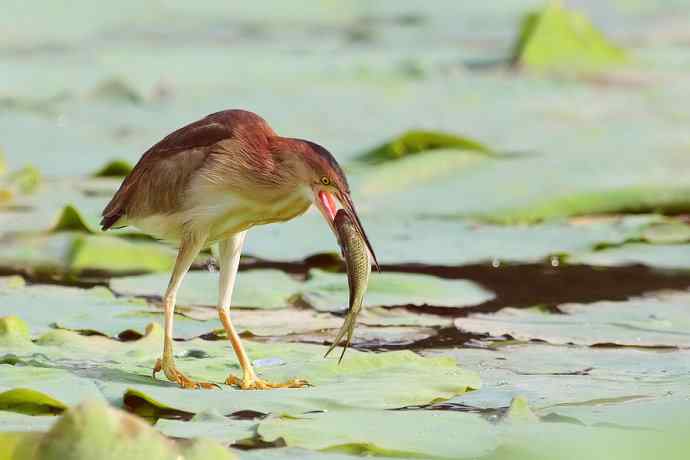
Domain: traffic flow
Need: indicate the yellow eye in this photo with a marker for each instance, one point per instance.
(325, 180)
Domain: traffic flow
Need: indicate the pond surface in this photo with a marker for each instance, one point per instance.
(533, 300)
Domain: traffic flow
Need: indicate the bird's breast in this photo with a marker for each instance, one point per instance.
(238, 213)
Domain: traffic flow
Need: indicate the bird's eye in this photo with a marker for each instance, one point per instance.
(325, 180)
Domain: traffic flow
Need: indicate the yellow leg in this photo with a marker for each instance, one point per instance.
(229, 252)
(189, 249)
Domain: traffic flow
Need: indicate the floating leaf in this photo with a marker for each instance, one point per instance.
(519, 411)
(26, 180)
(114, 168)
(555, 39)
(663, 256)
(70, 219)
(116, 90)
(146, 407)
(13, 330)
(94, 430)
(329, 291)
(255, 288)
(30, 402)
(413, 142)
(117, 255)
(419, 434)
(625, 200)
(636, 322)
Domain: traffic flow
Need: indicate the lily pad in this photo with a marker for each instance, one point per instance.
(424, 434)
(116, 90)
(636, 322)
(624, 200)
(29, 402)
(265, 289)
(114, 168)
(418, 141)
(329, 291)
(41, 390)
(555, 39)
(70, 219)
(74, 308)
(116, 255)
(594, 385)
(25, 180)
(662, 256)
(94, 430)
(221, 429)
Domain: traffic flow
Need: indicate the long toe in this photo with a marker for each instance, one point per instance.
(259, 384)
(178, 377)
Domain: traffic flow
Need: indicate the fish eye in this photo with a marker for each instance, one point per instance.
(325, 180)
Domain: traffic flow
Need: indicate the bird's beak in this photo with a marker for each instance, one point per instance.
(328, 207)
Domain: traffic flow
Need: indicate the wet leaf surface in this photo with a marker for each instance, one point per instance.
(654, 322)
(328, 291)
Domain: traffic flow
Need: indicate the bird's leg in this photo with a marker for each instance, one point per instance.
(229, 252)
(189, 249)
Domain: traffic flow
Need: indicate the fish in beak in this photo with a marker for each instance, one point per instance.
(328, 206)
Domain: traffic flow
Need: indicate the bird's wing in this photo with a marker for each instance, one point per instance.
(157, 182)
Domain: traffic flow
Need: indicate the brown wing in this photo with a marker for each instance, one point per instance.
(158, 181)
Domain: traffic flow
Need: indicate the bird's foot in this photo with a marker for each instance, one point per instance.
(174, 375)
(255, 383)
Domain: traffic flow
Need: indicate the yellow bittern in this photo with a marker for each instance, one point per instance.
(211, 181)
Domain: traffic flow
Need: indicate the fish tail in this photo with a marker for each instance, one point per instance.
(346, 328)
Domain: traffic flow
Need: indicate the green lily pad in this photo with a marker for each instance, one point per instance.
(30, 402)
(255, 288)
(116, 90)
(329, 291)
(114, 168)
(663, 256)
(624, 200)
(146, 407)
(592, 385)
(416, 170)
(117, 255)
(74, 308)
(422, 434)
(637, 322)
(41, 390)
(13, 330)
(417, 141)
(565, 441)
(218, 428)
(94, 430)
(363, 380)
(26, 180)
(70, 219)
(555, 39)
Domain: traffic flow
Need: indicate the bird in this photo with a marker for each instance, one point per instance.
(207, 184)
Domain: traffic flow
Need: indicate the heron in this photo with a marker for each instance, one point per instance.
(208, 183)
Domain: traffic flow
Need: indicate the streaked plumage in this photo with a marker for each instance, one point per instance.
(209, 182)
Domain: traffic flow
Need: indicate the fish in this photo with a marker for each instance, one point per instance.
(358, 264)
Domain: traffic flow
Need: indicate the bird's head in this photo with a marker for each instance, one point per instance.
(322, 174)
